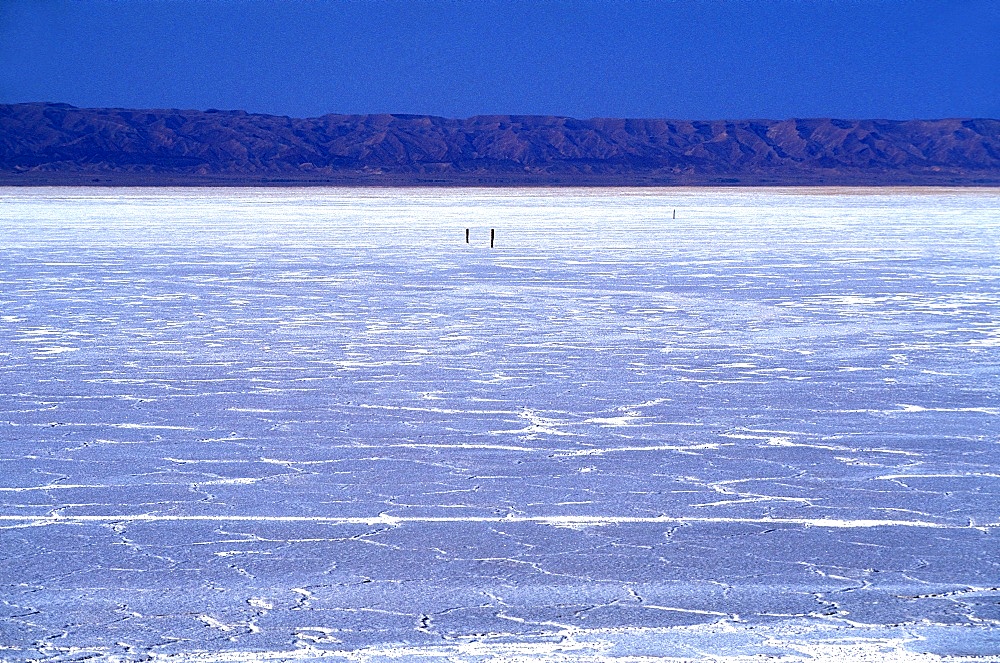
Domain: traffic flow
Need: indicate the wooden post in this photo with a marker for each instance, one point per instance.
(675, 214)
(492, 235)
(466, 235)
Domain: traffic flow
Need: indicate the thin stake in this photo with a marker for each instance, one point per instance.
(466, 235)
(492, 235)
(675, 214)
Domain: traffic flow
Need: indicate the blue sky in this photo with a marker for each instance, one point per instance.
(681, 59)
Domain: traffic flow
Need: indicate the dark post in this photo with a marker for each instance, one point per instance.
(466, 235)
(675, 214)
(492, 235)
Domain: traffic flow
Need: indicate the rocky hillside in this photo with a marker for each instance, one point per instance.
(60, 144)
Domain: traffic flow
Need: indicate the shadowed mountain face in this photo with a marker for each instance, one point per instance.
(60, 144)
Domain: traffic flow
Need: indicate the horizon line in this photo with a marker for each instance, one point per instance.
(63, 104)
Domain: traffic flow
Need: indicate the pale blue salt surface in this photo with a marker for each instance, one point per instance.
(315, 424)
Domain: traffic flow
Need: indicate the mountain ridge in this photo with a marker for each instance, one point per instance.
(51, 143)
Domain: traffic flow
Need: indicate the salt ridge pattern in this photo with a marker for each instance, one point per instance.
(253, 424)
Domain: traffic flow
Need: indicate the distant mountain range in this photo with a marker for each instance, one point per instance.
(44, 143)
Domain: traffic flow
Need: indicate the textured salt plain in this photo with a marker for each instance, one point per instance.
(270, 425)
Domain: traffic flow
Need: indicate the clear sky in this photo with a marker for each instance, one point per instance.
(682, 59)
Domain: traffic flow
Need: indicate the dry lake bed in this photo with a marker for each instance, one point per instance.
(647, 425)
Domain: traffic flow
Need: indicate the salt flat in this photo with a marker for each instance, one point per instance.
(315, 424)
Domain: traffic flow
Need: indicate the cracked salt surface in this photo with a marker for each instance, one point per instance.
(292, 425)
